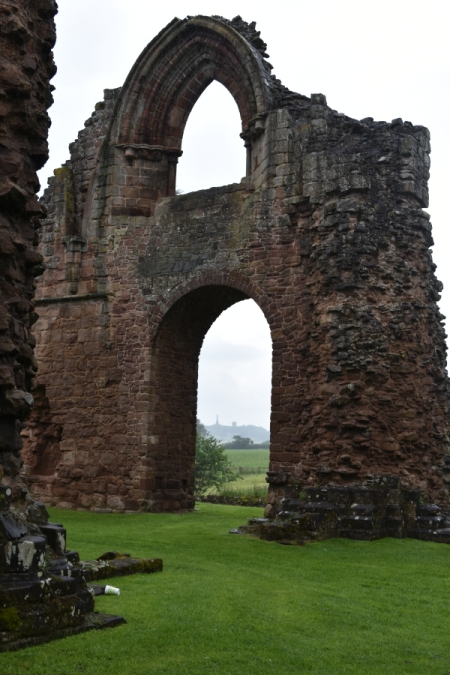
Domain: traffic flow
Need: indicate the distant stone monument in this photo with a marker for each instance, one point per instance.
(326, 233)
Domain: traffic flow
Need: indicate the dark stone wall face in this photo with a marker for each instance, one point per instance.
(27, 35)
(382, 407)
(36, 602)
(326, 233)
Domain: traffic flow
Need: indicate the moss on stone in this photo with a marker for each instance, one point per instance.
(9, 619)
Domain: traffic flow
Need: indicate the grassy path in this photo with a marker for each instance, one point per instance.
(232, 605)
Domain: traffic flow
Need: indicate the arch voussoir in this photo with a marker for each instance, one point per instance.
(162, 67)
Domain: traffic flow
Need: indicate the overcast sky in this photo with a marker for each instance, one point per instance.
(383, 59)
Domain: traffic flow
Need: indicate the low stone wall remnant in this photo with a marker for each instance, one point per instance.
(232, 501)
(379, 507)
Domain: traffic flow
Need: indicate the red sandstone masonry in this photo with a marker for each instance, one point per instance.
(27, 35)
(326, 233)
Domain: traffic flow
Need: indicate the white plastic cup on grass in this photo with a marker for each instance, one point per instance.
(112, 590)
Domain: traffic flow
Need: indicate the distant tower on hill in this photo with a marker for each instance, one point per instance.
(217, 419)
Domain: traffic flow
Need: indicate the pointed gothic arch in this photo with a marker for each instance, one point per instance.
(174, 70)
(152, 108)
(213, 151)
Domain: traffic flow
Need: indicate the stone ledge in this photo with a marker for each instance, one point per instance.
(377, 508)
(118, 565)
(93, 621)
(71, 298)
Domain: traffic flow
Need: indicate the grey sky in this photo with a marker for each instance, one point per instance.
(384, 60)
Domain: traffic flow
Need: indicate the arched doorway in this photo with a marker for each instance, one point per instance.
(174, 378)
(235, 369)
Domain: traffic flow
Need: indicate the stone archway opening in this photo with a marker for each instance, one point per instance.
(235, 384)
(235, 368)
(213, 152)
(174, 381)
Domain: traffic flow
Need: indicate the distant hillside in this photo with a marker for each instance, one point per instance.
(226, 433)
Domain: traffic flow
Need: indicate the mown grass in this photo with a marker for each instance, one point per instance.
(229, 604)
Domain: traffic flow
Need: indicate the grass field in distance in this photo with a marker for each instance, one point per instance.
(249, 484)
(249, 458)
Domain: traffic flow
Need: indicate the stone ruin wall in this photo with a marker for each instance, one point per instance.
(327, 233)
(44, 593)
(36, 602)
(27, 34)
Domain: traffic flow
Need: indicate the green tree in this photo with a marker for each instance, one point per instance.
(201, 429)
(212, 468)
(239, 443)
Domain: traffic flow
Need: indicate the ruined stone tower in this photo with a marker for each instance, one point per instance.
(326, 233)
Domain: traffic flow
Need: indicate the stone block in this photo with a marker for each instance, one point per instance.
(26, 554)
(56, 537)
(10, 527)
(5, 497)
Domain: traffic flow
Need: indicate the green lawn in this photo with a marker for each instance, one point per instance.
(232, 605)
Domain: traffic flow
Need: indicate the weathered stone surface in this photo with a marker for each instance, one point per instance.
(118, 565)
(27, 35)
(10, 527)
(44, 592)
(379, 507)
(35, 604)
(93, 621)
(328, 235)
(56, 537)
